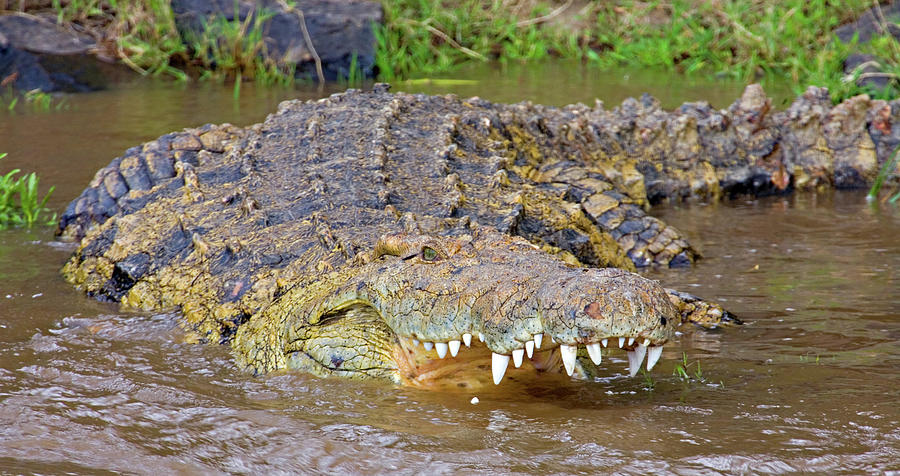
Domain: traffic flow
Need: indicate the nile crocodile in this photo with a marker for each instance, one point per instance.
(369, 234)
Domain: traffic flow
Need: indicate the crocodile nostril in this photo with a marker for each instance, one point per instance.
(662, 320)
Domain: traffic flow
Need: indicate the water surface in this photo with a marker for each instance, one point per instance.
(811, 383)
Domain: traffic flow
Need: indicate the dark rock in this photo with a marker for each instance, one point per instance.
(339, 30)
(38, 54)
(22, 70)
(867, 64)
(36, 35)
(879, 20)
(869, 24)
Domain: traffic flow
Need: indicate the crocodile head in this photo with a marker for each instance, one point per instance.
(423, 310)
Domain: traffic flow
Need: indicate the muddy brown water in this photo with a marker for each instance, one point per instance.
(811, 383)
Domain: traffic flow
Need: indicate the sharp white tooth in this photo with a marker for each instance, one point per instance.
(467, 339)
(653, 354)
(568, 353)
(604, 342)
(621, 342)
(480, 337)
(552, 339)
(415, 343)
(633, 364)
(454, 347)
(641, 352)
(646, 342)
(537, 340)
(630, 340)
(427, 345)
(498, 366)
(517, 357)
(441, 349)
(635, 358)
(594, 352)
(529, 348)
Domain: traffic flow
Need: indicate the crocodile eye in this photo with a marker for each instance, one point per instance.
(428, 254)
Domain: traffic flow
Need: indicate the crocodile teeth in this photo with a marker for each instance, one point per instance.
(480, 337)
(454, 347)
(604, 342)
(467, 339)
(427, 345)
(498, 366)
(641, 352)
(653, 354)
(630, 340)
(517, 357)
(441, 348)
(537, 340)
(621, 342)
(635, 357)
(415, 343)
(529, 348)
(594, 352)
(646, 342)
(568, 357)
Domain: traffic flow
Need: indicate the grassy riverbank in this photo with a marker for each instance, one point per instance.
(746, 40)
(740, 39)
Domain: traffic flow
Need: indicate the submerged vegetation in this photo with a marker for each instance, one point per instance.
(889, 168)
(684, 371)
(747, 40)
(35, 100)
(20, 202)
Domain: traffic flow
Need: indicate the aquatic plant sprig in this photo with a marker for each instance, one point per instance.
(889, 167)
(31, 209)
(36, 100)
(681, 370)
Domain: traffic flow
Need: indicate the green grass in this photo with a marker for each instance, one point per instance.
(143, 32)
(745, 40)
(20, 202)
(235, 50)
(77, 9)
(145, 38)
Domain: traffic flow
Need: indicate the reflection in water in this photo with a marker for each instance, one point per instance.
(809, 384)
